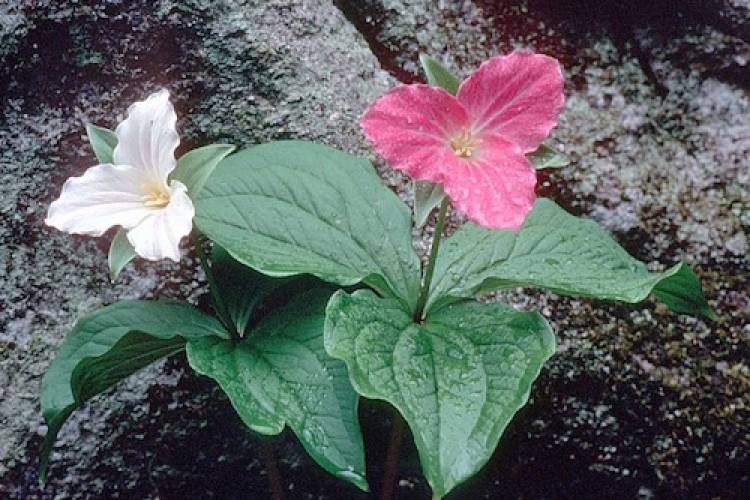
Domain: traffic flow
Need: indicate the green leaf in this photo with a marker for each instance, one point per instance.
(196, 166)
(560, 252)
(110, 344)
(294, 207)
(438, 75)
(427, 196)
(120, 253)
(548, 157)
(682, 293)
(458, 379)
(282, 374)
(103, 142)
(241, 288)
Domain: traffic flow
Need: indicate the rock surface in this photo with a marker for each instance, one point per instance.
(637, 403)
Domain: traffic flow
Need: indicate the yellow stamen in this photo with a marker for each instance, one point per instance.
(464, 144)
(156, 196)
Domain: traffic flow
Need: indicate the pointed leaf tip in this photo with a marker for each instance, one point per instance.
(548, 157)
(121, 252)
(438, 75)
(103, 142)
(196, 166)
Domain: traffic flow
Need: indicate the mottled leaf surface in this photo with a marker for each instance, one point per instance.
(560, 252)
(458, 379)
(294, 207)
(282, 375)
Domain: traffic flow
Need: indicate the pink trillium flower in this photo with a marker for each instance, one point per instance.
(135, 191)
(474, 143)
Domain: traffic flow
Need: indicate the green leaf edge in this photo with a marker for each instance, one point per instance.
(56, 417)
(661, 286)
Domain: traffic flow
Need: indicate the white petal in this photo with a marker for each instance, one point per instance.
(104, 196)
(147, 138)
(158, 235)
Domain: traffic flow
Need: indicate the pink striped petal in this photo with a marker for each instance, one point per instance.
(411, 127)
(495, 189)
(518, 96)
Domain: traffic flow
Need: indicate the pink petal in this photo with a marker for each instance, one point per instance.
(496, 188)
(411, 127)
(518, 96)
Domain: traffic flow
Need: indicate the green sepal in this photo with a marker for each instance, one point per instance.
(121, 252)
(438, 75)
(196, 166)
(548, 157)
(103, 142)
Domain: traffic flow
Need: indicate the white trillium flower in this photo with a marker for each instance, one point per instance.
(135, 192)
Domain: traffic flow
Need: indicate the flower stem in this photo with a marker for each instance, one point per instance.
(391, 459)
(274, 476)
(437, 236)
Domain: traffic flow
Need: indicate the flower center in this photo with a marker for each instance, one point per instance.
(156, 196)
(464, 144)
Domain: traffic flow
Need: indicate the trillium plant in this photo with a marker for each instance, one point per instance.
(318, 296)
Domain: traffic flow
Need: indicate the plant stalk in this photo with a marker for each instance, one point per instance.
(437, 236)
(391, 460)
(274, 477)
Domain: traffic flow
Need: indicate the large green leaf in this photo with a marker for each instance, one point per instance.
(103, 142)
(457, 379)
(560, 252)
(110, 344)
(294, 207)
(281, 374)
(196, 166)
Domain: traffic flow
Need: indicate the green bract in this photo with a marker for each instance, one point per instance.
(283, 375)
(457, 379)
(562, 253)
(294, 207)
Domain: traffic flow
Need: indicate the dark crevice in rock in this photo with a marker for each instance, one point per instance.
(368, 17)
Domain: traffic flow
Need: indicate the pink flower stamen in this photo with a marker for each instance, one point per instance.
(464, 144)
